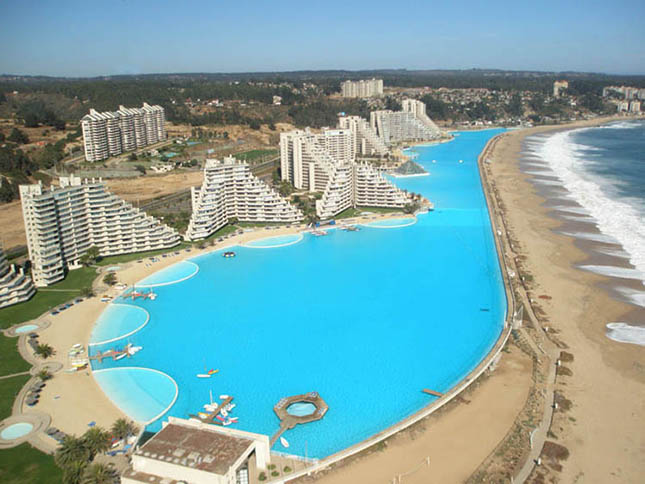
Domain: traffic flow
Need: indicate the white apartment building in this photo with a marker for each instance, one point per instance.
(362, 88)
(559, 86)
(230, 190)
(112, 133)
(307, 164)
(410, 124)
(15, 285)
(63, 222)
(366, 141)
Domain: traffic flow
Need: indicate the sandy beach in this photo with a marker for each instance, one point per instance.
(604, 430)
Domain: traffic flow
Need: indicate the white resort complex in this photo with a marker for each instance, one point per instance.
(112, 133)
(362, 88)
(366, 141)
(230, 190)
(63, 222)
(410, 124)
(15, 286)
(326, 163)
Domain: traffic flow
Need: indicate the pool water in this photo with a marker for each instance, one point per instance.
(119, 320)
(391, 223)
(16, 431)
(170, 275)
(367, 319)
(26, 328)
(301, 409)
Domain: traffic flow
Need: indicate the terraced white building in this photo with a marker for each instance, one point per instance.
(230, 190)
(112, 133)
(410, 124)
(15, 285)
(366, 141)
(306, 163)
(63, 222)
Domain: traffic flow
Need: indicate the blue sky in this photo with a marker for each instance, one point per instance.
(95, 37)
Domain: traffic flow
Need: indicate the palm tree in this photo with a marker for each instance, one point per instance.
(72, 449)
(99, 474)
(123, 428)
(44, 350)
(96, 440)
(44, 374)
(73, 472)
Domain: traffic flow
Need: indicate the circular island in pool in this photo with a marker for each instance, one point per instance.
(368, 319)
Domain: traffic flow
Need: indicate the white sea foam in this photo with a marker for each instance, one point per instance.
(613, 252)
(622, 125)
(626, 333)
(613, 271)
(551, 183)
(543, 172)
(567, 208)
(614, 217)
(606, 239)
(632, 295)
(574, 217)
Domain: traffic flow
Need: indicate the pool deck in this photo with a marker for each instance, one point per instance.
(288, 421)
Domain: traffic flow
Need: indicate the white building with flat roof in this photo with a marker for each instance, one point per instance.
(230, 190)
(15, 285)
(194, 452)
(310, 162)
(112, 133)
(362, 88)
(62, 222)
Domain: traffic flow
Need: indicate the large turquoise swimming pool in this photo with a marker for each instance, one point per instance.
(367, 319)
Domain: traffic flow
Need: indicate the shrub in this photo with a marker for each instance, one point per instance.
(262, 476)
(287, 469)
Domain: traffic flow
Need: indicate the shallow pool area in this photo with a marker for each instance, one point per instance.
(392, 223)
(118, 321)
(276, 241)
(366, 318)
(141, 393)
(15, 431)
(301, 409)
(170, 275)
(25, 329)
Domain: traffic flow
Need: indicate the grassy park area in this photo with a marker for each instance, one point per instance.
(24, 464)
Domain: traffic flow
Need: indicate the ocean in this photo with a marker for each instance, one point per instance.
(602, 172)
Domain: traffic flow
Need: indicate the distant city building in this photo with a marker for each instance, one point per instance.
(15, 285)
(277, 100)
(230, 190)
(362, 88)
(622, 106)
(63, 222)
(325, 163)
(366, 141)
(195, 452)
(410, 124)
(626, 91)
(112, 133)
(634, 106)
(558, 86)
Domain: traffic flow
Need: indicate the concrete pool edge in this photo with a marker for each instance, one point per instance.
(298, 238)
(463, 384)
(182, 279)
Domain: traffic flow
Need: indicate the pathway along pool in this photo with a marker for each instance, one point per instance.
(367, 319)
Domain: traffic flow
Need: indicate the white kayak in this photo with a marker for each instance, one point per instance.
(223, 397)
(284, 442)
(203, 375)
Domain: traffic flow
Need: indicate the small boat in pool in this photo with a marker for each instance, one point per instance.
(121, 356)
(224, 397)
(228, 254)
(284, 442)
(208, 374)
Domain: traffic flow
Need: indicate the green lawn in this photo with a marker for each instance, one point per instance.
(348, 213)
(255, 155)
(121, 259)
(380, 209)
(9, 388)
(26, 465)
(10, 359)
(45, 299)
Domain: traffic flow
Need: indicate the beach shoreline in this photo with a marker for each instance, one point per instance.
(605, 382)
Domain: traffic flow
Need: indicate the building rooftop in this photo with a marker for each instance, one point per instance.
(206, 450)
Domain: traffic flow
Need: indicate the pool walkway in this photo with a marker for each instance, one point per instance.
(15, 374)
(288, 421)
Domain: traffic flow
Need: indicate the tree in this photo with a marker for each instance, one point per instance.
(44, 375)
(141, 169)
(99, 474)
(110, 279)
(44, 351)
(17, 136)
(90, 257)
(132, 157)
(233, 220)
(72, 449)
(73, 472)
(87, 291)
(96, 440)
(123, 428)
